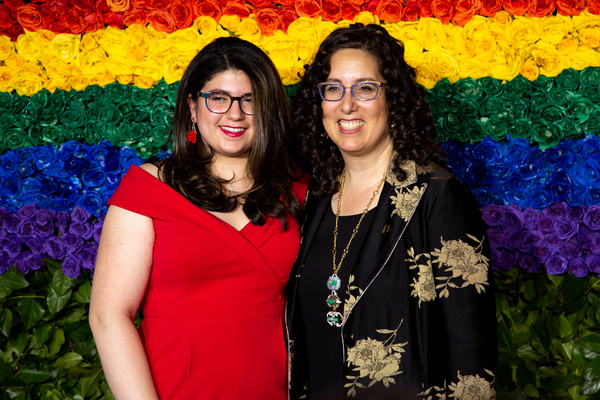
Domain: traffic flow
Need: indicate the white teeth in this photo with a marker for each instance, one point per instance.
(233, 130)
(351, 125)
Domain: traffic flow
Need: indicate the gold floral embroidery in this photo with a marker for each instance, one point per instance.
(350, 298)
(464, 261)
(410, 167)
(424, 287)
(468, 387)
(406, 200)
(375, 360)
(455, 256)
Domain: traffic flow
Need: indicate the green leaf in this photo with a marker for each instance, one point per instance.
(35, 374)
(85, 291)
(525, 376)
(591, 342)
(19, 342)
(78, 331)
(42, 333)
(6, 322)
(30, 311)
(90, 383)
(67, 361)
(57, 341)
(539, 340)
(564, 327)
(552, 327)
(57, 302)
(61, 283)
(13, 280)
(563, 382)
(15, 393)
(531, 391)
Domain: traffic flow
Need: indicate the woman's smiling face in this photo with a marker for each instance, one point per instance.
(229, 134)
(358, 128)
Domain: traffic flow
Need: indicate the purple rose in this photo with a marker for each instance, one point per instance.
(543, 253)
(552, 241)
(529, 263)
(556, 210)
(530, 240)
(71, 242)
(546, 224)
(88, 257)
(63, 219)
(512, 239)
(27, 211)
(45, 231)
(28, 261)
(83, 230)
(507, 260)
(71, 266)
(493, 214)
(593, 263)
(576, 213)
(566, 228)
(44, 217)
(25, 229)
(513, 218)
(35, 244)
(3, 233)
(496, 238)
(97, 231)
(578, 267)
(11, 222)
(531, 218)
(79, 215)
(54, 248)
(11, 247)
(556, 264)
(591, 217)
(570, 248)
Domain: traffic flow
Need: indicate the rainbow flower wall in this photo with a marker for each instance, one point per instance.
(87, 88)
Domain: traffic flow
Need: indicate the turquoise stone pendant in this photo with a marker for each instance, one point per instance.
(334, 318)
(334, 282)
(333, 300)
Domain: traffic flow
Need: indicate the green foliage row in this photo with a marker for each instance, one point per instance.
(548, 331)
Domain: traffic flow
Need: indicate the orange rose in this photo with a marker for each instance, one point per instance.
(162, 21)
(287, 15)
(84, 6)
(593, 6)
(308, 8)
(570, 7)
(207, 8)
(158, 5)
(286, 3)
(135, 17)
(118, 5)
(182, 13)
(93, 22)
(108, 16)
(332, 10)
(541, 8)
(389, 10)
(268, 20)
(517, 7)
(139, 4)
(425, 8)
(464, 10)
(442, 10)
(490, 7)
(261, 3)
(30, 17)
(237, 9)
(349, 10)
(411, 11)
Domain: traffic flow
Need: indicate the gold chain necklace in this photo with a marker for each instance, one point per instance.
(334, 318)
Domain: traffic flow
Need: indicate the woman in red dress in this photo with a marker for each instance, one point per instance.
(204, 242)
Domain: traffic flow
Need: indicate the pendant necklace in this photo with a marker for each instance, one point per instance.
(231, 183)
(335, 318)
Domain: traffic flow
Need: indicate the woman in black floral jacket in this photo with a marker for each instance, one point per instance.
(403, 307)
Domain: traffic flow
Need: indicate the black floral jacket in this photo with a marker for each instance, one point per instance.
(419, 312)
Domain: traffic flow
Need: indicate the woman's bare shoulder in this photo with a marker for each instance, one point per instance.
(150, 168)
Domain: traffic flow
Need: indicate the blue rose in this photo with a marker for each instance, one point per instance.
(590, 147)
(93, 177)
(57, 169)
(10, 186)
(593, 196)
(76, 165)
(578, 194)
(488, 151)
(483, 196)
(540, 198)
(560, 185)
(519, 196)
(477, 174)
(26, 166)
(517, 151)
(9, 164)
(129, 158)
(560, 154)
(72, 148)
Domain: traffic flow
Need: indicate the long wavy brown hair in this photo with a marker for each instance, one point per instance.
(271, 160)
(409, 116)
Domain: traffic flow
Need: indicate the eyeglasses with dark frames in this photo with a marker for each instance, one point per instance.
(367, 90)
(220, 102)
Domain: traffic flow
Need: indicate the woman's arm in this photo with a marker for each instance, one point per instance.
(120, 278)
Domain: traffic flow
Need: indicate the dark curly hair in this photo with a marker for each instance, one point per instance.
(409, 116)
(271, 159)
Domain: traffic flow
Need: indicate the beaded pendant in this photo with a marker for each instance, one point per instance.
(334, 318)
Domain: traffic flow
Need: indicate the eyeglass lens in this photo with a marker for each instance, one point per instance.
(220, 103)
(360, 91)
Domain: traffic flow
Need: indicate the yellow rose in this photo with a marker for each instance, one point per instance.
(115, 42)
(136, 34)
(530, 70)
(57, 69)
(507, 63)
(54, 84)
(43, 37)
(185, 40)
(14, 62)
(455, 39)
(249, 29)
(152, 37)
(33, 68)
(157, 53)
(282, 51)
(65, 47)
(92, 62)
(205, 24)
(427, 76)
(126, 79)
(586, 20)
(6, 75)
(477, 27)
(7, 47)
(568, 45)
(324, 28)
(486, 48)
(584, 57)
(89, 41)
(554, 29)
(144, 82)
(473, 68)
(549, 59)
(442, 62)
(304, 32)
(138, 54)
(344, 23)
(230, 22)
(26, 84)
(503, 18)
(118, 65)
(79, 82)
(433, 30)
(590, 37)
(413, 42)
(365, 17)
(210, 37)
(524, 32)
(28, 48)
(102, 79)
(498, 31)
(291, 75)
(175, 66)
(148, 69)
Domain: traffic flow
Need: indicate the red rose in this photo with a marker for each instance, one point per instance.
(286, 3)
(139, 4)
(541, 8)
(464, 11)
(9, 25)
(93, 22)
(287, 15)
(241, 10)
(570, 7)
(593, 6)
(332, 10)
(207, 8)
(517, 7)
(442, 10)
(72, 22)
(162, 21)
(370, 6)
(84, 7)
(308, 8)
(268, 20)
(182, 13)
(425, 8)
(411, 11)
(158, 5)
(108, 16)
(135, 17)
(389, 10)
(349, 10)
(489, 8)
(13, 4)
(261, 3)
(30, 17)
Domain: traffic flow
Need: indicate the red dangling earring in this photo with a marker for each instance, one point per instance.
(192, 134)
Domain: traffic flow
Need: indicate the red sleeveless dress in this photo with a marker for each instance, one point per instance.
(214, 304)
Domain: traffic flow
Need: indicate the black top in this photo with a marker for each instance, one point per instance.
(326, 374)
